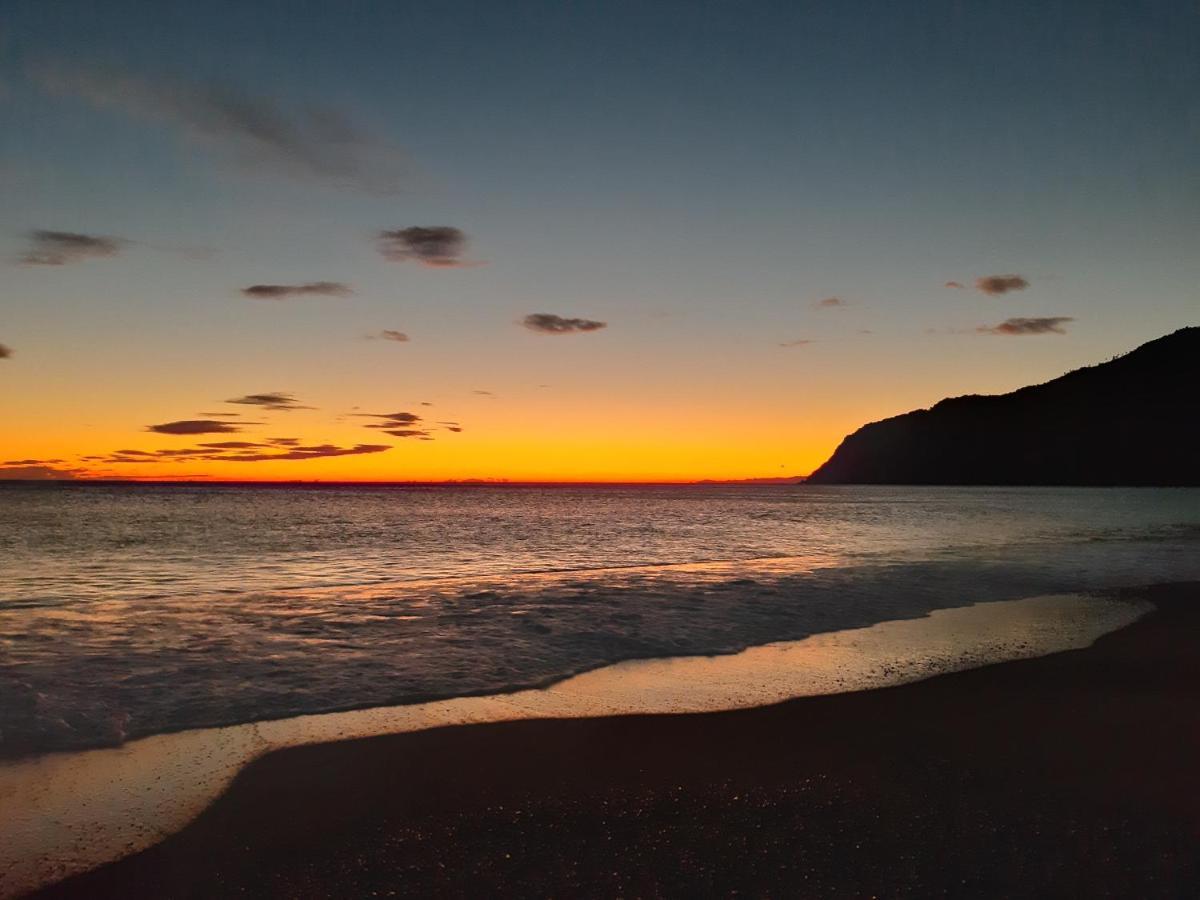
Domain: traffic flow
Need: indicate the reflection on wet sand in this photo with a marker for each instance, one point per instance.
(65, 813)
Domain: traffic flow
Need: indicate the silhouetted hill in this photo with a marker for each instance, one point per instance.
(1134, 420)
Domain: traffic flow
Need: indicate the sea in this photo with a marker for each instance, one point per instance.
(129, 610)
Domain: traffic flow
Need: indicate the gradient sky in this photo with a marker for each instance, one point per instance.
(698, 176)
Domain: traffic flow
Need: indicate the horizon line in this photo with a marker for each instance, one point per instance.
(463, 482)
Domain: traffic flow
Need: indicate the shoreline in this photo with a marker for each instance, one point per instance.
(346, 759)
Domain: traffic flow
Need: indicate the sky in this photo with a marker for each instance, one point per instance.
(567, 240)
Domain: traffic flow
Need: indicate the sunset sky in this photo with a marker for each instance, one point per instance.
(622, 241)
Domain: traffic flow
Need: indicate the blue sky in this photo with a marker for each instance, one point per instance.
(696, 175)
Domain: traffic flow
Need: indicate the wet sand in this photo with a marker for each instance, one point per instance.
(1070, 774)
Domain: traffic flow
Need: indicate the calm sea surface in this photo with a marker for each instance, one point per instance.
(132, 610)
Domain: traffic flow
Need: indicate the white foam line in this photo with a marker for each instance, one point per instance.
(68, 812)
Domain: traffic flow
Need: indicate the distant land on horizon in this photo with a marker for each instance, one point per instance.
(1134, 420)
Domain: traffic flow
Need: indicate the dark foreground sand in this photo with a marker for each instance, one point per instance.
(1076, 774)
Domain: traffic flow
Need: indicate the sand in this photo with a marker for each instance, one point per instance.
(1069, 774)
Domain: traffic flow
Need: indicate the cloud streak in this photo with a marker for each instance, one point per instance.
(993, 285)
(548, 323)
(276, 401)
(319, 451)
(1025, 326)
(831, 303)
(389, 334)
(193, 426)
(310, 142)
(439, 246)
(61, 248)
(391, 420)
(309, 289)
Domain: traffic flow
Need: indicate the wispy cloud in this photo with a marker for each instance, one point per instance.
(831, 302)
(390, 420)
(315, 452)
(993, 285)
(60, 248)
(799, 342)
(1023, 326)
(234, 451)
(389, 334)
(277, 401)
(309, 289)
(406, 432)
(311, 142)
(193, 426)
(440, 246)
(548, 323)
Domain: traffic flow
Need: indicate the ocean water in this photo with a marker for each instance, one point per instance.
(139, 609)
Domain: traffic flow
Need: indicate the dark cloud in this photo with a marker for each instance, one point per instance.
(272, 400)
(1000, 284)
(801, 342)
(548, 323)
(58, 248)
(389, 335)
(1041, 325)
(284, 442)
(194, 426)
(310, 289)
(317, 452)
(30, 462)
(309, 142)
(406, 432)
(5, 352)
(37, 473)
(440, 246)
(455, 428)
(391, 420)
(830, 302)
(485, 394)
(957, 285)
(241, 451)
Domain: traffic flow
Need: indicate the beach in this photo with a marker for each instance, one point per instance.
(1067, 774)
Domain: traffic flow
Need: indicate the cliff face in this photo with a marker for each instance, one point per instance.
(1132, 421)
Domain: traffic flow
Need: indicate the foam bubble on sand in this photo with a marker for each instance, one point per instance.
(68, 812)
